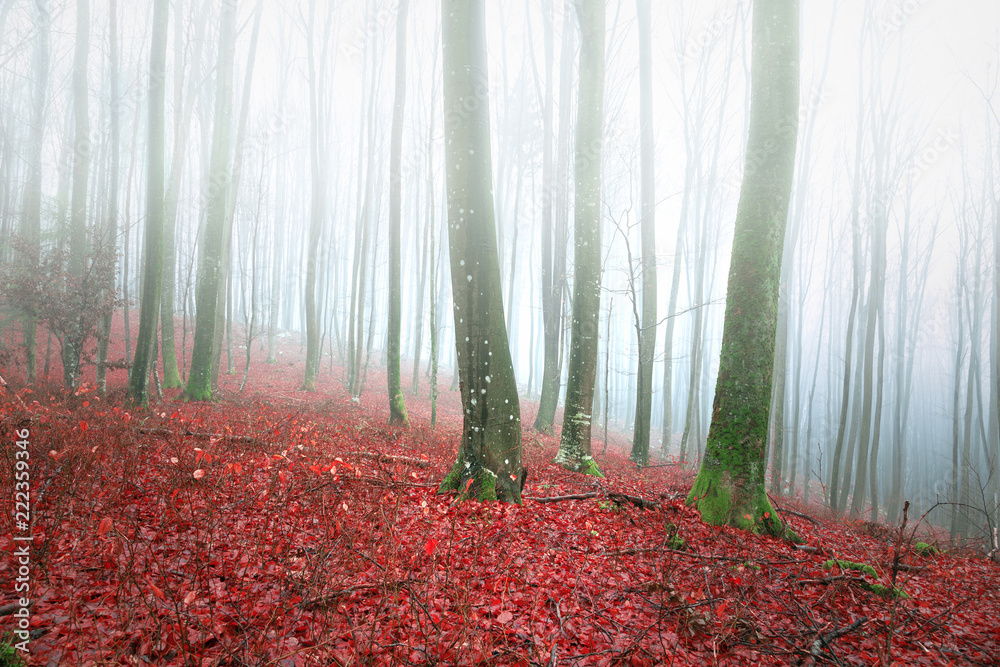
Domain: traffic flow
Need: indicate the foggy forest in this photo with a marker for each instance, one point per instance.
(517, 332)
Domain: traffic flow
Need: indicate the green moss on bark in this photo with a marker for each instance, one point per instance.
(851, 565)
(582, 463)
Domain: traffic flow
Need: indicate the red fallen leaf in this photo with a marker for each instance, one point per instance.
(156, 590)
(238, 468)
(316, 469)
(429, 546)
(83, 426)
(282, 476)
(175, 415)
(505, 617)
(104, 527)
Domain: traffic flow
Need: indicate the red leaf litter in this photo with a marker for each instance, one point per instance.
(285, 528)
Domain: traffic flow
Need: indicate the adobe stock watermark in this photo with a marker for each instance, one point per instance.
(931, 154)
(900, 13)
(753, 161)
(22, 540)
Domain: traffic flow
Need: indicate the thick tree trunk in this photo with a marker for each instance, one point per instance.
(152, 277)
(729, 488)
(489, 460)
(575, 443)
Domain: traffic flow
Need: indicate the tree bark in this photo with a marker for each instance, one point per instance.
(70, 345)
(199, 385)
(729, 488)
(31, 224)
(647, 227)
(397, 407)
(152, 277)
(575, 444)
(489, 459)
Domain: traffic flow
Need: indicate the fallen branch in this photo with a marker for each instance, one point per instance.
(9, 609)
(325, 600)
(620, 498)
(613, 496)
(555, 499)
(205, 436)
(420, 463)
(824, 640)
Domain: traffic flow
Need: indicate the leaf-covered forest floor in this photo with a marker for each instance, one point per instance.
(277, 527)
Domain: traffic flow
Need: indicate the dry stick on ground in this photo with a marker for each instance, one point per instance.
(191, 434)
(824, 640)
(420, 463)
(613, 496)
(786, 510)
(555, 499)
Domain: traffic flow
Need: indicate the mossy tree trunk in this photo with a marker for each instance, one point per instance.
(199, 385)
(574, 445)
(489, 459)
(152, 277)
(397, 408)
(729, 488)
(647, 333)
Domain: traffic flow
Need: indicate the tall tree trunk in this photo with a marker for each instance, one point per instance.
(551, 283)
(647, 335)
(575, 444)
(31, 222)
(318, 205)
(152, 277)
(72, 343)
(183, 108)
(729, 488)
(489, 459)
(397, 407)
(104, 335)
(199, 385)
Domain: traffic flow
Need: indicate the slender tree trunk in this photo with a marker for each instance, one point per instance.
(138, 381)
(31, 225)
(553, 223)
(199, 386)
(647, 335)
(729, 488)
(184, 107)
(317, 207)
(104, 335)
(397, 407)
(71, 343)
(489, 459)
(575, 443)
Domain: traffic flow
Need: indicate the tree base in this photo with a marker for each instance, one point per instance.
(475, 482)
(724, 501)
(582, 464)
